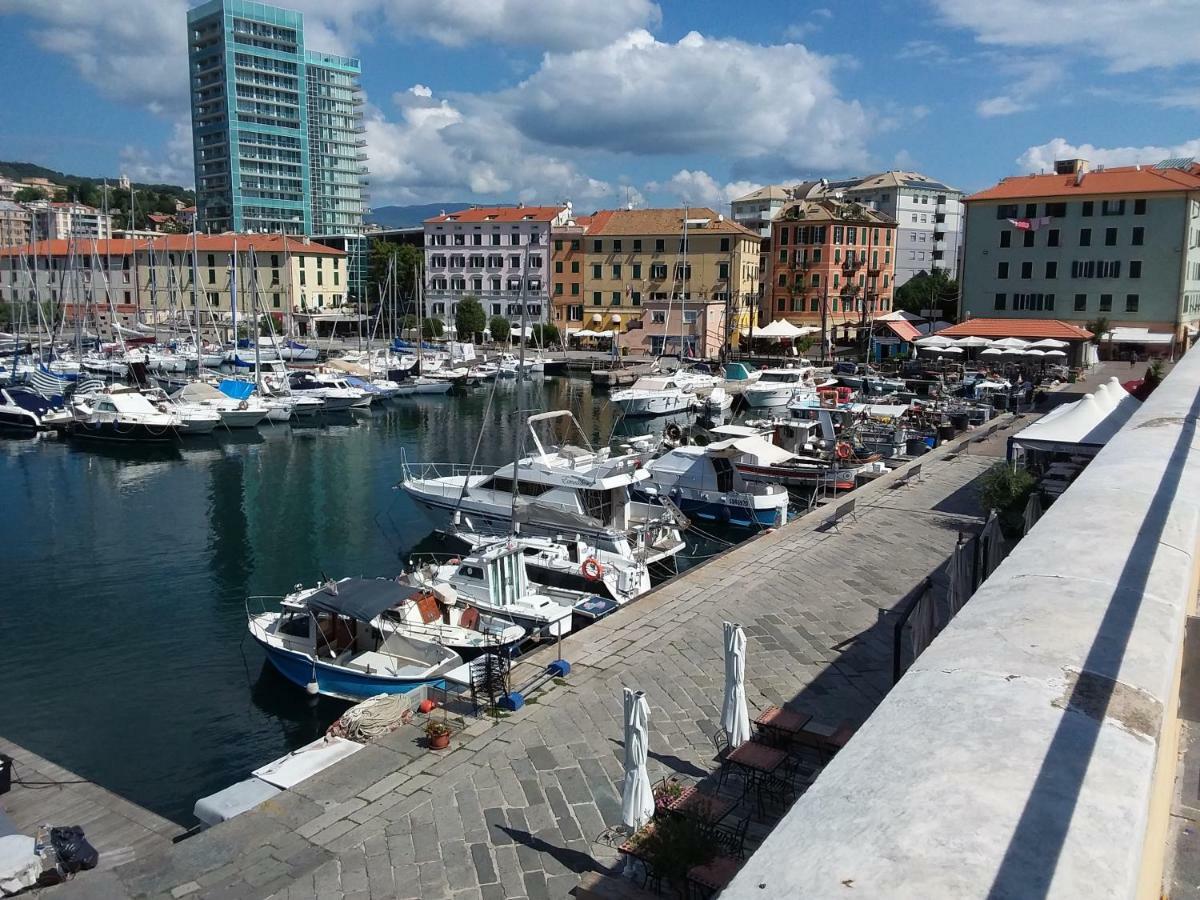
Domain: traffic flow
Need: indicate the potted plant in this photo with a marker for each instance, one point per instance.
(438, 734)
(666, 791)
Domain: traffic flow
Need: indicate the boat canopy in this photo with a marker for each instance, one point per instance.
(238, 390)
(357, 598)
(763, 451)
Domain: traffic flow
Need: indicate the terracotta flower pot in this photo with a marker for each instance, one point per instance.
(439, 741)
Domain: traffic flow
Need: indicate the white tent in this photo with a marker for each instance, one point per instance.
(584, 333)
(735, 718)
(1083, 426)
(783, 330)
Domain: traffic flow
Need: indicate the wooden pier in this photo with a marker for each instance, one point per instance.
(45, 794)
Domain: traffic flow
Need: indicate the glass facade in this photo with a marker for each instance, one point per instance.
(277, 131)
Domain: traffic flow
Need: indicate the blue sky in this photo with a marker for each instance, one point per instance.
(636, 101)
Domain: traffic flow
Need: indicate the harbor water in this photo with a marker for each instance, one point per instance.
(127, 570)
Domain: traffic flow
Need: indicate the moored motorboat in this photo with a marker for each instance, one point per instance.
(122, 415)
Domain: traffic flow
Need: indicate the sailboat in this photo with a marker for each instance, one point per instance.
(419, 384)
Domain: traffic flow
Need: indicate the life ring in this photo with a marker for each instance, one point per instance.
(844, 451)
(673, 432)
(591, 569)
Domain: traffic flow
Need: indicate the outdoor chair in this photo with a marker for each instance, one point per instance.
(732, 838)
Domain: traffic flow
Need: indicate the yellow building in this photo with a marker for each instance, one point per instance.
(667, 274)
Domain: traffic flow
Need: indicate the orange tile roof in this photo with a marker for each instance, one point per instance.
(1018, 328)
(903, 330)
(206, 243)
(1119, 180)
(662, 221)
(498, 214)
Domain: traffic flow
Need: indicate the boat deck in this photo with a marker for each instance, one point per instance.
(121, 831)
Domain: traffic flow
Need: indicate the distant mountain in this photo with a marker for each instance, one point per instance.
(405, 216)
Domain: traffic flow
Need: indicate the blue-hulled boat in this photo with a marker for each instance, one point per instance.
(328, 643)
(703, 482)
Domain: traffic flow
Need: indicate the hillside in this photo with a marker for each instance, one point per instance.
(406, 216)
(19, 170)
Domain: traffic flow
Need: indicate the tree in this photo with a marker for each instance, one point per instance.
(409, 259)
(29, 194)
(928, 290)
(469, 319)
(1006, 490)
(432, 328)
(545, 335)
(1099, 327)
(498, 326)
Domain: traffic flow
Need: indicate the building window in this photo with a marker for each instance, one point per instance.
(1027, 270)
(637, 245)
(616, 271)
(1139, 207)
(275, 300)
(616, 298)
(660, 245)
(1088, 208)
(1002, 270)
(636, 297)
(597, 298)
(1006, 238)
(1001, 301)
(1112, 208)
(1110, 237)
(1085, 237)
(1029, 237)
(1056, 210)
(1135, 268)
(1006, 211)
(558, 267)
(816, 280)
(558, 245)
(575, 289)
(1106, 303)
(597, 245)
(783, 279)
(1051, 269)
(1131, 303)
(575, 244)
(617, 246)
(597, 268)
(1080, 302)
(1052, 237)
(637, 270)
(658, 271)
(1139, 236)
(724, 245)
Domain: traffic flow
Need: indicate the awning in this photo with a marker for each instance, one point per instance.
(358, 598)
(1126, 335)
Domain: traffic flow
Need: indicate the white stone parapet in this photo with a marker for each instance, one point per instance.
(1030, 751)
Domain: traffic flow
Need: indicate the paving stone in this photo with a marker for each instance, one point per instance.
(535, 886)
(484, 867)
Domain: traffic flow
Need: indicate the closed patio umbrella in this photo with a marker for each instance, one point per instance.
(958, 576)
(1033, 511)
(735, 718)
(993, 545)
(637, 797)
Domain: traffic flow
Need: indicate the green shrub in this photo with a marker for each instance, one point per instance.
(1006, 490)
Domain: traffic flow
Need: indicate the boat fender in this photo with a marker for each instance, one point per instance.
(591, 569)
(312, 688)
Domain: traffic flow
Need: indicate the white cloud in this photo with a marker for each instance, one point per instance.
(700, 95)
(172, 165)
(1129, 36)
(1042, 157)
(420, 90)
(999, 106)
(698, 188)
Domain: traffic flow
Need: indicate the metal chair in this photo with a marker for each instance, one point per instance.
(732, 839)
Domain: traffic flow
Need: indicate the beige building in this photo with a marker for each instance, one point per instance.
(667, 274)
(16, 224)
(54, 220)
(152, 280)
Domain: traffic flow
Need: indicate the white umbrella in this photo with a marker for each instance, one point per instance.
(1049, 344)
(1033, 352)
(1055, 353)
(583, 333)
(1010, 344)
(958, 574)
(972, 341)
(637, 797)
(735, 718)
(1033, 511)
(950, 350)
(992, 351)
(934, 341)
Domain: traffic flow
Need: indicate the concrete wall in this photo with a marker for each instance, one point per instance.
(1030, 751)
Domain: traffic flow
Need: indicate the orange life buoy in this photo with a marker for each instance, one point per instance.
(591, 568)
(844, 450)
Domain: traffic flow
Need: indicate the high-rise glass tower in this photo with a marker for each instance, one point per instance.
(277, 130)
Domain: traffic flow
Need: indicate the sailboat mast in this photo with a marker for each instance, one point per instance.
(520, 420)
(195, 299)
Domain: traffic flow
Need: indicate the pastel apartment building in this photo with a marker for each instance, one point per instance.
(500, 254)
(1120, 243)
(833, 262)
(53, 220)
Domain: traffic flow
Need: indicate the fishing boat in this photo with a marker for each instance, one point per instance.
(427, 615)
(774, 387)
(326, 642)
(121, 414)
(654, 395)
(560, 488)
(704, 482)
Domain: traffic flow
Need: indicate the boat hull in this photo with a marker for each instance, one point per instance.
(335, 681)
(653, 406)
(762, 398)
(122, 433)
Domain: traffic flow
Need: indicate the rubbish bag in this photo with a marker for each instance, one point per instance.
(72, 849)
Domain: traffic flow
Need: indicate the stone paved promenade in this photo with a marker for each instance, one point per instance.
(513, 809)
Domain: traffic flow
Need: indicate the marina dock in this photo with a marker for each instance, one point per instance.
(45, 793)
(514, 808)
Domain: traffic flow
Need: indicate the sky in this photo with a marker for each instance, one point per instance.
(611, 102)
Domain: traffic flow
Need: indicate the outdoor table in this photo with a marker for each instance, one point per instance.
(716, 874)
(634, 843)
(756, 760)
(782, 722)
(701, 806)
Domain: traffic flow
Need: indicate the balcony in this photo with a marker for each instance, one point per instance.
(939, 246)
(851, 265)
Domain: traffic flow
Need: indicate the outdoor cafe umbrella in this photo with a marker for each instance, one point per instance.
(1033, 511)
(992, 351)
(1048, 344)
(958, 577)
(972, 341)
(952, 350)
(1033, 352)
(735, 718)
(637, 797)
(934, 341)
(1056, 353)
(1010, 343)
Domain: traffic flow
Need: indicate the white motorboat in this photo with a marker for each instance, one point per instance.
(775, 387)
(654, 395)
(420, 385)
(703, 482)
(194, 418)
(717, 401)
(24, 409)
(333, 397)
(296, 352)
(121, 414)
(243, 411)
(560, 488)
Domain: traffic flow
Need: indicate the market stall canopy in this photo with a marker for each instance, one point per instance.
(1086, 425)
(783, 330)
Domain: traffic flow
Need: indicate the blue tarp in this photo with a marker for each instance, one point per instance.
(238, 390)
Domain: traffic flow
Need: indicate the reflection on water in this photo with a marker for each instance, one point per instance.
(128, 571)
